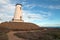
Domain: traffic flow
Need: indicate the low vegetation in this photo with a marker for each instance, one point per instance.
(44, 34)
(53, 34)
(3, 36)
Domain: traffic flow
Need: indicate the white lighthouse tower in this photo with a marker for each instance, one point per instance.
(18, 14)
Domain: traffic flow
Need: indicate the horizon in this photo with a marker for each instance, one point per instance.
(40, 12)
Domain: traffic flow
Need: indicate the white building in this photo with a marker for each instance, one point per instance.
(18, 14)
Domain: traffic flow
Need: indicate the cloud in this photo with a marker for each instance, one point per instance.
(27, 5)
(30, 16)
(50, 6)
(4, 1)
(54, 7)
(30, 6)
(6, 10)
(5, 17)
(46, 13)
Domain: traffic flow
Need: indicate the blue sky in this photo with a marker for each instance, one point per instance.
(40, 12)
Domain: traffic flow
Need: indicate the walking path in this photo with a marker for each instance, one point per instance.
(11, 36)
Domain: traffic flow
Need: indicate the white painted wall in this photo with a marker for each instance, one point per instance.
(18, 12)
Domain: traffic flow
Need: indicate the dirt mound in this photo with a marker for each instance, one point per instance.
(19, 25)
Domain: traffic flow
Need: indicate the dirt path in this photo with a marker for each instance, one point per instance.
(11, 36)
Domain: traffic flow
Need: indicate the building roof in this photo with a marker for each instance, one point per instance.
(19, 25)
(19, 4)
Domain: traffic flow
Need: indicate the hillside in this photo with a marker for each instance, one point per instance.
(43, 34)
(19, 26)
(27, 31)
(40, 35)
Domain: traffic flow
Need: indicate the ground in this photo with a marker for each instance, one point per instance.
(42, 34)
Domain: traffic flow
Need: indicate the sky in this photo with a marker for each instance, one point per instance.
(40, 12)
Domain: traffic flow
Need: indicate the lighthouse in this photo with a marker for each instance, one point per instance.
(18, 13)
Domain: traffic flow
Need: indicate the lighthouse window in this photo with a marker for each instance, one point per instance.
(20, 8)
